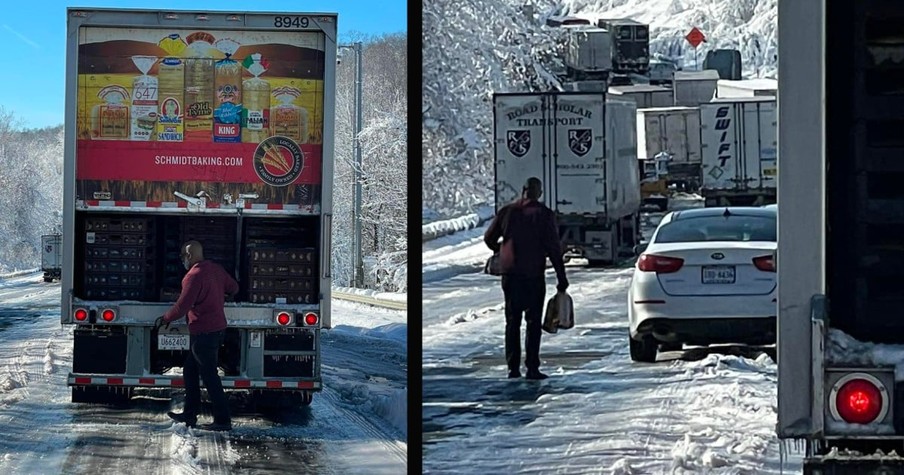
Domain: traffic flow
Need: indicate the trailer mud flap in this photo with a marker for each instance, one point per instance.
(100, 352)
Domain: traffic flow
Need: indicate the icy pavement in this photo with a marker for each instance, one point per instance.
(698, 411)
(356, 425)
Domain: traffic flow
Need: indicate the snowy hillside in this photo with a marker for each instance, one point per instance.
(475, 48)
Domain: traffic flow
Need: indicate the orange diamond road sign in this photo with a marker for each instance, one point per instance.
(695, 37)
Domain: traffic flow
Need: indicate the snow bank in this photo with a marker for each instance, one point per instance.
(394, 409)
(449, 226)
(388, 296)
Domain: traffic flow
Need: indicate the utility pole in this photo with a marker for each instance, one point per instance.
(359, 125)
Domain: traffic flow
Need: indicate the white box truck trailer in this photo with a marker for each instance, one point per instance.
(207, 126)
(840, 239)
(588, 53)
(51, 256)
(675, 131)
(584, 149)
(738, 144)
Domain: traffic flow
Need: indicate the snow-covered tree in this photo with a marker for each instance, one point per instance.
(472, 49)
(31, 166)
(384, 152)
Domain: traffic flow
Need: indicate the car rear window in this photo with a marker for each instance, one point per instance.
(718, 228)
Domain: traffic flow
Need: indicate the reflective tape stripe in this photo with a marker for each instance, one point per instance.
(179, 382)
(180, 204)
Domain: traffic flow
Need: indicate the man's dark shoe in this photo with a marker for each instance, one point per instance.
(514, 374)
(183, 419)
(536, 374)
(216, 426)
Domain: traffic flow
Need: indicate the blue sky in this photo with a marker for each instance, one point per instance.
(33, 41)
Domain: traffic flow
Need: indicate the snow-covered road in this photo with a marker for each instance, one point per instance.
(698, 411)
(356, 425)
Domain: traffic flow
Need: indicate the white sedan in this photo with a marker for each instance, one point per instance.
(707, 276)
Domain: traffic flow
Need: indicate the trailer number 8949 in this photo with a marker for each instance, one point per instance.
(291, 22)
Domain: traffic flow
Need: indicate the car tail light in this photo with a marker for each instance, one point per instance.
(659, 264)
(764, 263)
(311, 319)
(80, 314)
(108, 315)
(283, 318)
(859, 399)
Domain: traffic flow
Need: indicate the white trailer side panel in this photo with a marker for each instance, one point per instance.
(719, 146)
(738, 144)
(558, 138)
(51, 252)
(588, 49)
(520, 145)
(579, 154)
(623, 182)
(801, 216)
(760, 144)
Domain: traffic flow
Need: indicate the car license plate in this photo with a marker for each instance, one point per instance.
(172, 342)
(718, 274)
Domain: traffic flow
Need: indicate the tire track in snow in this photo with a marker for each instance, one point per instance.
(377, 434)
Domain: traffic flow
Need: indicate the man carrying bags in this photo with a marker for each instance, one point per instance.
(529, 235)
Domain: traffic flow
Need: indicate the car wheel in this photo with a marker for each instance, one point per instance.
(644, 350)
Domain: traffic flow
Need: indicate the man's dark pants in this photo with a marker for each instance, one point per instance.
(523, 295)
(202, 361)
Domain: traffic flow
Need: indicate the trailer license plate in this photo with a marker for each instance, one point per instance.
(172, 342)
(718, 274)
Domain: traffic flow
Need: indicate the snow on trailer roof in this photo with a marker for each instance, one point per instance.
(620, 21)
(705, 75)
(756, 84)
(669, 109)
(635, 88)
(843, 349)
(743, 99)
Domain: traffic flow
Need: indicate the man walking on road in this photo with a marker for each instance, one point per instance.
(529, 235)
(202, 300)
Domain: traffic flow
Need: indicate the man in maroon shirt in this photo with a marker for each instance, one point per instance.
(531, 227)
(202, 300)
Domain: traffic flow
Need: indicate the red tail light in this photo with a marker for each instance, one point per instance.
(764, 263)
(283, 318)
(310, 319)
(659, 264)
(108, 315)
(80, 314)
(859, 399)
